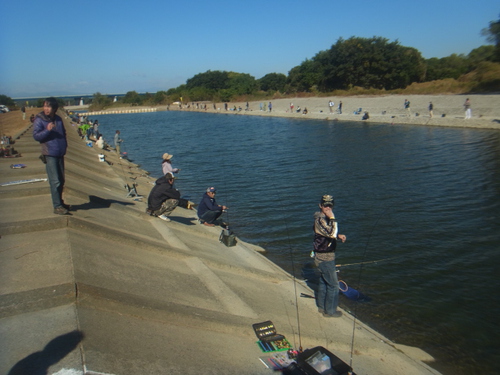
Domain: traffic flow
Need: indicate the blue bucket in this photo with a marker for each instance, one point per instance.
(349, 292)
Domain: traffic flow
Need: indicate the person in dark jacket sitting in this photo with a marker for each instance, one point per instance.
(48, 129)
(163, 198)
(208, 209)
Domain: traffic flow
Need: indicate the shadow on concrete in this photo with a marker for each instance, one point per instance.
(97, 203)
(38, 363)
(311, 277)
(184, 220)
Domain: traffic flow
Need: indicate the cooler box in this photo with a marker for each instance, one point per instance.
(318, 361)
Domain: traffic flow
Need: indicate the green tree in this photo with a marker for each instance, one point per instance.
(132, 97)
(226, 95)
(365, 62)
(273, 82)
(215, 80)
(100, 102)
(492, 34)
(306, 76)
(200, 93)
(242, 83)
(217, 85)
(370, 63)
(480, 54)
(7, 101)
(161, 97)
(452, 66)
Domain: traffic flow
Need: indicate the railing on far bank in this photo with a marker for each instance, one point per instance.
(112, 112)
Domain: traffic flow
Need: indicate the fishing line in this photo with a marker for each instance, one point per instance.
(224, 178)
(359, 284)
(293, 266)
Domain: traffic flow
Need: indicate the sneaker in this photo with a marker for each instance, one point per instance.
(336, 314)
(321, 311)
(60, 211)
(163, 217)
(208, 224)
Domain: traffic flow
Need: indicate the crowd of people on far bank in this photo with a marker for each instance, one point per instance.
(332, 109)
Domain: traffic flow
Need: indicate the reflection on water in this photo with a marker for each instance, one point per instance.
(425, 199)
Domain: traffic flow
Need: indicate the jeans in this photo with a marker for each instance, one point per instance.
(328, 289)
(55, 175)
(210, 216)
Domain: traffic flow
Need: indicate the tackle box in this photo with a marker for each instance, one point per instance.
(269, 339)
(266, 331)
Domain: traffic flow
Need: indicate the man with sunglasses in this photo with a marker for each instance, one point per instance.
(325, 242)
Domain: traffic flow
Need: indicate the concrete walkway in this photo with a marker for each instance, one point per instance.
(112, 290)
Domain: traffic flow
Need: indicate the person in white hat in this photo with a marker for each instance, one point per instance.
(166, 164)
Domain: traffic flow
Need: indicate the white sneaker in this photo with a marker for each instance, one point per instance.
(163, 217)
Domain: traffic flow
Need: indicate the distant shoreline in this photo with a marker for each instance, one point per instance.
(387, 109)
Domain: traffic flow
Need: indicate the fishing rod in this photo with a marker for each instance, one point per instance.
(281, 205)
(371, 261)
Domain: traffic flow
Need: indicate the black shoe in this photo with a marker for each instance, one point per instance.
(336, 314)
(60, 211)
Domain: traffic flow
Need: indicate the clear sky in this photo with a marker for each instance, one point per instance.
(114, 46)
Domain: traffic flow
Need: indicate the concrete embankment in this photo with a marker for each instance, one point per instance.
(109, 289)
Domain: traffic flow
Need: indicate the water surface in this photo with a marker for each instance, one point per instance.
(423, 200)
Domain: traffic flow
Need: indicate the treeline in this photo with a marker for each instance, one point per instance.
(355, 65)
(367, 63)
(349, 65)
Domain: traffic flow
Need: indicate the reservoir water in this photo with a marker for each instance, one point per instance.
(420, 207)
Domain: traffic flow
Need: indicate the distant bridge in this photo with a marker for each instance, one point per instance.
(69, 99)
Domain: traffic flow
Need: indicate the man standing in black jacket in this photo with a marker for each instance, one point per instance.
(163, 198)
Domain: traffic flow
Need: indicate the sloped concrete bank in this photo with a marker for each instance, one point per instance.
(112, 290)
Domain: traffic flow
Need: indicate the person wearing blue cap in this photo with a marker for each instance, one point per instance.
(208, 209)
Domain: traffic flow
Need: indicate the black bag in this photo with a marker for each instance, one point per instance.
(227, 238)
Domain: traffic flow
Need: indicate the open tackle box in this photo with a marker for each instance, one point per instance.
(269, 339)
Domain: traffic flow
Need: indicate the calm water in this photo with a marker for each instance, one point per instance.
(423, 200)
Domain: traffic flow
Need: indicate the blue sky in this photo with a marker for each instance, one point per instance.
(115, 46)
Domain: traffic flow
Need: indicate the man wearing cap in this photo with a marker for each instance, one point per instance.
(208, 210)
(118, 142)
(163, 198)
(325, 242)
(166, 164)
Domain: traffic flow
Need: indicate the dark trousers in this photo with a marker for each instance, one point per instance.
(55, 175)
